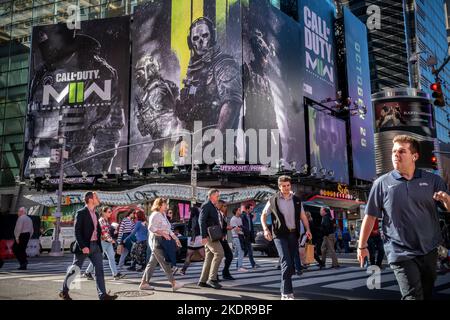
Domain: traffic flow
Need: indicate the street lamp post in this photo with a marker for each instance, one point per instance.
(56, 244)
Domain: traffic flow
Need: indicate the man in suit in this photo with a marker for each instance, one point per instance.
(226, 247)
(88, 245)
(249, 233)
(210, 216)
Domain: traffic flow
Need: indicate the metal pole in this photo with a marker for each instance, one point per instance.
(56, 244)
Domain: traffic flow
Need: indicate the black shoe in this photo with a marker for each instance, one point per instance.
(1, 263)
(213, 284)
(64, 296)
(88, 276)
(109, 297)
(131, 268)
(299, 273)
(119, 276)
(218, 279)
(202, 284)
(23, 267)
(228, 277)
(278, 267)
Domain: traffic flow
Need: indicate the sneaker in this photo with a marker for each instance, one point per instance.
(299, 273)
(228, 277)
(242, 270)
(119, 276)
(146, 286)
(64, 296)
(289, 296)
(256, 266)
(177, 286)
(88, 276)
(131, 268)
(174, 270)
(183, 272)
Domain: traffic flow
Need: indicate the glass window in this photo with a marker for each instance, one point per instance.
(14, 126)
(13, 143)
(2, 95)
(15, 109)
(3, 79)
(115, 9)
(94, 13)
(5, 8)
(22, 15)
(19, 61)
(6, 177)
(17, 93)
(10, 159)
(1, 127)
(17, 77)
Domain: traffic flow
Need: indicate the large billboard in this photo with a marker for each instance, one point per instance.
(413, 116)
(272, 78)
(79, 82)
(186, 78)
(358, 79)
(328, 145)
(317, 51)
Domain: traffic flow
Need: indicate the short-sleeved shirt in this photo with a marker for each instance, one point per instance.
(236, 222)
(410, 218)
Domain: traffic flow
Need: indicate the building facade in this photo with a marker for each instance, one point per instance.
(410, 31)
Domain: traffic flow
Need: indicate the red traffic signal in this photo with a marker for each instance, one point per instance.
(437, 94)
(434, 162)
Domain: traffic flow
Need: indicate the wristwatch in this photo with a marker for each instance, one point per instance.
(362, 248)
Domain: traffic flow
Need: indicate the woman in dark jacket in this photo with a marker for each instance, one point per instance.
(194, 240)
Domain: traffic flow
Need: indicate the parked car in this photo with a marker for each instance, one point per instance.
(66, 237)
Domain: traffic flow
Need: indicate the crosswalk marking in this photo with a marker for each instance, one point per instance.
(441, 280)
(353, 284)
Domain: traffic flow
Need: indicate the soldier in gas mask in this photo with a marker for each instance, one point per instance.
(89, 127)
(212, 90)
(155, 105)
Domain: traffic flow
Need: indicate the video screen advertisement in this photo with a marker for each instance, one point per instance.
(78, 88)
(186, 67)
(273, 78)
(317, 49)
(359, 89)
(328, 144)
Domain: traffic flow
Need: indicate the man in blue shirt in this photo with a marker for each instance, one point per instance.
(406, 199)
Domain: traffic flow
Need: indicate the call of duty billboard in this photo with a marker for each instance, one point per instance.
(358, 79)
(186, 78)
(272, 77)
(317, 52)
(328, 145)
(78, 89)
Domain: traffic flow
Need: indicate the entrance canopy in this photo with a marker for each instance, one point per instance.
(152, 191)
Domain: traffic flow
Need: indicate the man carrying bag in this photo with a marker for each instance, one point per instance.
(210, 220)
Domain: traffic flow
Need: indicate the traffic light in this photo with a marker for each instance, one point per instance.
(437, 94)
(434, 162)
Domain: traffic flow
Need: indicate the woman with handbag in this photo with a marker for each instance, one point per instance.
(139, 250)
(159, 228)
(195, 239)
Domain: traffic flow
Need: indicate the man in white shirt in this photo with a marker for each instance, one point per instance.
(22, 234)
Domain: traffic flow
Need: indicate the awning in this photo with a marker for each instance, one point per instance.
(151, 191)
(319, 201)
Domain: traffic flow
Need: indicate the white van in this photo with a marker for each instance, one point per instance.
(66, 237)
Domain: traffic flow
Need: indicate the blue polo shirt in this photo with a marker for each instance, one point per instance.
(409, 213)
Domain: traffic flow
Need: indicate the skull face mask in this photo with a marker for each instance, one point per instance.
(200, 38)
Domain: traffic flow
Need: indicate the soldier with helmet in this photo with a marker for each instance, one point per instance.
(155, 105)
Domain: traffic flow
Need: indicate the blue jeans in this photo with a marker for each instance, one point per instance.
(170, 251)
(96, 257)
(297, 262)
(238, 252)
(110, 254)
(249, 249)
(286, 246)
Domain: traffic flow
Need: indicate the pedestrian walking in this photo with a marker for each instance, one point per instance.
(107, 246)
(407, 200)
(22, 234)
(88, 235)
(139, 250)
(226, 275)
(375, 246)
(249, 233)
(316, 239)
(329, 237)
(124, 248)
(159, 228)
(210, 218)
(286, 210)
(194, 240)
(238, 239)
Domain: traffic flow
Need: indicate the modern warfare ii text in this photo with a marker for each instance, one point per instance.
(225, 310)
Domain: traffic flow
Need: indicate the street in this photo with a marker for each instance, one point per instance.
(45, 275)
